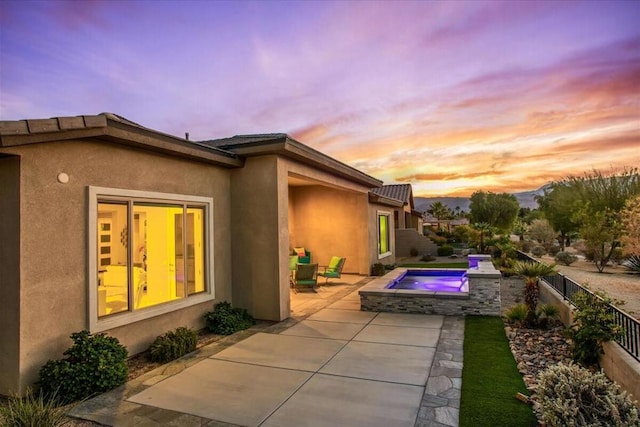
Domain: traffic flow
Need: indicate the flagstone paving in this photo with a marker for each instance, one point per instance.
(324, 367)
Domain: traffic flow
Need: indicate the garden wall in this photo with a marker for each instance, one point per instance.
(619, 365)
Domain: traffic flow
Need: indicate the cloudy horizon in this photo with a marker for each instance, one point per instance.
(452, 97)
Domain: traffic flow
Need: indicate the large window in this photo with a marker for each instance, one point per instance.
(150, 252)
(384, 233)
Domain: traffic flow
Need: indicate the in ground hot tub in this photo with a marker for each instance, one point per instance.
(435, 291)
(432, 280)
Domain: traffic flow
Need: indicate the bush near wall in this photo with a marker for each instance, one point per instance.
(93, 364)
(571, 395)
(445, 250)
(226, 320)
(173, 344)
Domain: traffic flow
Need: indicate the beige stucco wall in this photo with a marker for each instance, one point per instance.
(53, 229)
(256, 244)
(331, 222)
(9, 273)
(329, 217)
(374, 209)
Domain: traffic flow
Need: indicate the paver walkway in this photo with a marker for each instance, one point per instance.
(339, 366)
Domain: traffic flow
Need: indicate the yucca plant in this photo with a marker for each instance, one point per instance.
(531, 273)
(32, 410)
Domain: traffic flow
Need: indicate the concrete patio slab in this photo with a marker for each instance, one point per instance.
(347, 316)
(225, 391)
(424, 337)
(411, 320)
(282, 351)
(382, 362)
(330, 330)
(327, 401)
(346, 305)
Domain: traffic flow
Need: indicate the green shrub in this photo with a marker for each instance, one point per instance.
(593, 325)
(570, 395)
(517, 314)
(547, 313)
(32, 411)
(565, 258)
(445, 250)
(226, 320)
(173, 344)
(538, 251)
(93, 364)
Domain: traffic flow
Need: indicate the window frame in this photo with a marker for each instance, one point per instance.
(389, 252)
(95, 194)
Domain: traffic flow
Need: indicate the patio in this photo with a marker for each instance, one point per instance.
(337, 366)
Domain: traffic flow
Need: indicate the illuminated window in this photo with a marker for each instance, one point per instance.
(384, 245)
(151, 252)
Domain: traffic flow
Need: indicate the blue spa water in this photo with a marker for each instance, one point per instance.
(432, 280)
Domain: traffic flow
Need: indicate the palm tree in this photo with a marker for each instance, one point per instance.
(531, 273)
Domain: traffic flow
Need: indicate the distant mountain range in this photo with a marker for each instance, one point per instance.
(525, 198)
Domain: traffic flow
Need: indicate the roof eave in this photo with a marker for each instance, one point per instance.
(112, 128)
(290, 148)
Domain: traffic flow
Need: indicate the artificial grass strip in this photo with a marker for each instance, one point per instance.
(490, 378)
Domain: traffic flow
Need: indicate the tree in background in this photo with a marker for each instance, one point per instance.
(496, 210)
(440, 211)
(602, 199)
(630, 218)
(558, 204)
(542, 231)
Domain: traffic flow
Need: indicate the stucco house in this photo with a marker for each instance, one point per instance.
(109, 226)
(408, 221)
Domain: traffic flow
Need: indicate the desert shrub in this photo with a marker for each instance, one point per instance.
(538, 251)
(32, 410)
(226, 320)
(525, 245)
(427, 258)
(632, 263)
(413, 252)
(552, 249)
(565, 258)
(173, 344)
(445, 250)
(570, 395)
(517, 314)
(593, 325)
(93, 364)
(546, 314)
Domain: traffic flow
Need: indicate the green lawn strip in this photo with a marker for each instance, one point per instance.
(464, 264)
(490, 378)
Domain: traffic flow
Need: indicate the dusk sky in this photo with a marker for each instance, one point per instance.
(449, 96)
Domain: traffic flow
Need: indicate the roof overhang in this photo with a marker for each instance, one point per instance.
(384, 200)
(285, 146)
(111, 128)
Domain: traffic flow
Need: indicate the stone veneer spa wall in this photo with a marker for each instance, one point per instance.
(482, 297)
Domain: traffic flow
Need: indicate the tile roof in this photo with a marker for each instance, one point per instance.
(402, 192)
(239, 140)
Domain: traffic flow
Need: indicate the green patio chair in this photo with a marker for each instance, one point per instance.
(293, 264)
(306, 275)
(334, 269)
